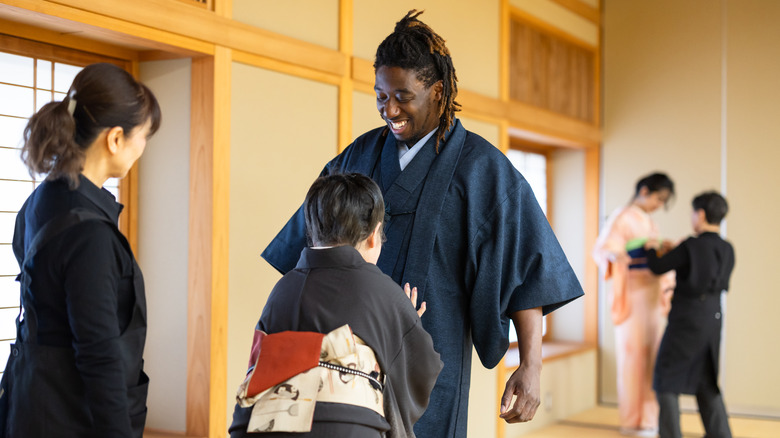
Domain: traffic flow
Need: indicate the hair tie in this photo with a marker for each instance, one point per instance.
(71, 102)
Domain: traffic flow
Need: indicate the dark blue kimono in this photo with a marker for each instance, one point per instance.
(463, 227)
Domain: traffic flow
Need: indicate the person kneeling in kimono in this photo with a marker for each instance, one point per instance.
(333, 350)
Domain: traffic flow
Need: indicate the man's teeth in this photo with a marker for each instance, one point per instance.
(398, 125)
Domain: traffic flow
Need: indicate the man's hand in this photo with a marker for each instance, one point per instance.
(411, 293)
(525, 384)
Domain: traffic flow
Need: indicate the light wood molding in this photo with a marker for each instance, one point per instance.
(567, 131)
(346, 39)
(205, 25)
(220, 246)
(597, 84)
(533, 20)
(481, 104)
(505, 17)
(223, 8)
(501, 378)
(592, 169)
(363, 72)
(363, 87)
(345, 115)
(199, 266)
(466, 112)
(504, 142)
(550, 181)
(72, 41)
(208, 236)
(25, 47)
(551, 351)
(285, 67)
(206, 4)
(129, 190)
(160, 433)
(110, 30)
(584, 10)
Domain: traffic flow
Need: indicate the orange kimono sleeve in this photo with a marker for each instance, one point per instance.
(621, 306)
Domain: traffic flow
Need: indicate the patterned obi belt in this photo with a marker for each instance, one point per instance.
(291, 371)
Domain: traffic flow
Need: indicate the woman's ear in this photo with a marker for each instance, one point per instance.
(115, 138)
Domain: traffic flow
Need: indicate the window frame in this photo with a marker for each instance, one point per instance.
(128, 186)
(527, 146)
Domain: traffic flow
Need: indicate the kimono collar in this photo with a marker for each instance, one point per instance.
(330, 257)
(428, 219)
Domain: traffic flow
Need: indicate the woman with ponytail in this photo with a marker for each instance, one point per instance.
(76, 369)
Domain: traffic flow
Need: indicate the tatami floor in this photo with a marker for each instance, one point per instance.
(602, 422)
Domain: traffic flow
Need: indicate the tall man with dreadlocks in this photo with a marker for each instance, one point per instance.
(461, 224)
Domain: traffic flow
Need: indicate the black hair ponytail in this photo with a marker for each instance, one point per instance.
(49, 143)
(102, 96)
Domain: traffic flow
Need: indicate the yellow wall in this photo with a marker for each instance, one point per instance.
(311, 21)
(365, 116)
(752, 137)
(276, 154)
(471, 33)
(664, 109)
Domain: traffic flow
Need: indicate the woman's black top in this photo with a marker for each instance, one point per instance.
(88, 300)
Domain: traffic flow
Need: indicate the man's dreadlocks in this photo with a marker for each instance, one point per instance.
(413, 45)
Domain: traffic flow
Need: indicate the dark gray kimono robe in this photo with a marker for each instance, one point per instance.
(332, 287)
(691, 342)
(464, 227)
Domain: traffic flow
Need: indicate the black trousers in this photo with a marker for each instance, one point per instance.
(711, 408)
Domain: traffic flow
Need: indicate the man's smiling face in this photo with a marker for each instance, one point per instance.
(409, 108)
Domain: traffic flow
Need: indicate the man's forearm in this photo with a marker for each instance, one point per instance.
(528, 326)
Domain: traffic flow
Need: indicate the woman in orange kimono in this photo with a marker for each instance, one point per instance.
(640, 301)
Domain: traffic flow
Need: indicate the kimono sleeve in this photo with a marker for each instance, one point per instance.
(410, 379)
(612, 239)
(518, 264)
(283, 252)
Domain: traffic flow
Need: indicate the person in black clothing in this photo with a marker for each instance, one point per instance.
(337, 282)
(687, 360)
(76, 368)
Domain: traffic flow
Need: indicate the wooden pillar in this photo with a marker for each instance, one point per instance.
(208, 237)
(346, 85)
(591, 285)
